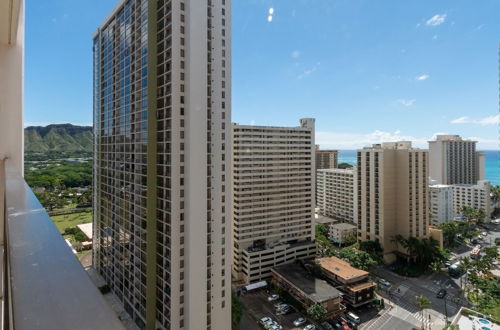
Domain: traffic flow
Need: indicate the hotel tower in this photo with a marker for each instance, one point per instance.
(162, 121)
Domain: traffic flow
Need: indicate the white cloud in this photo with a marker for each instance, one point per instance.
(349, 141)
(308, 72)
(423, 77)
(460, 120)
(491, 120)
(436, 20)
(406, 103)
(295, 54)
(271, 11)
(270, 18)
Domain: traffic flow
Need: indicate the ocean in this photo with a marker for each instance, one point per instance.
(492, 163)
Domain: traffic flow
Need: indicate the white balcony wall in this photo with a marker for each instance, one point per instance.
(11, 84)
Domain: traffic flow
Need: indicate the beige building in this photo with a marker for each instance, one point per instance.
(326, 158)
(476, 196)
(162, 127)
(336, 193)
(441, 203)
(453, 160)
(273, 197)
(392, 193)
(341, 232)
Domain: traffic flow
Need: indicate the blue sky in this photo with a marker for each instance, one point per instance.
(368, 71)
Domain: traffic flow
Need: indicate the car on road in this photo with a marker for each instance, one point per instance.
(298, 322)
(273, 297)
(384, 282)
(441, 294)
(484, 233)
(310, 327)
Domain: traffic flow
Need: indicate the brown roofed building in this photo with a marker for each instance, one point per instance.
(326, 159)
(354, 283)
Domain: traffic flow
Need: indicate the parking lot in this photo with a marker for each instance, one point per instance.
(258, 306)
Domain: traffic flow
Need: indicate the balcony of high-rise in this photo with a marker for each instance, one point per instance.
(43, 285)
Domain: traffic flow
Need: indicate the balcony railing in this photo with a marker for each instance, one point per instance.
(43, 284)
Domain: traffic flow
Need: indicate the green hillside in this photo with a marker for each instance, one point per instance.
(66, 138)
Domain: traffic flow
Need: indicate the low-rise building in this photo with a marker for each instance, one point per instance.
(476, 196)
(341, 232)
(441, 203)
(336, 193)
(307, 289)
(354, 283)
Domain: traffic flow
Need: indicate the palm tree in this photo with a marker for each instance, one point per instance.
(413, 247)
(397, 240)
(422, 303)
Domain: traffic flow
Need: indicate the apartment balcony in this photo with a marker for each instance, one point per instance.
(42, 283)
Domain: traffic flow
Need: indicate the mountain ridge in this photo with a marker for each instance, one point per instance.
(58, 137)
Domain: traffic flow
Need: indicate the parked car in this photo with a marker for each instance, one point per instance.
(336, 325)
(273, 297)
(310, 327)
(276, 326)
(265, 321)
(353, 317)
(299, 321)
(279, 305)
(484, 233)
(326, 326)
(441, 294)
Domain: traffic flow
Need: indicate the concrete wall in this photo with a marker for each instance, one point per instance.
(11, 99)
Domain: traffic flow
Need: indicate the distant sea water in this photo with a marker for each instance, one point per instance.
(492, 163)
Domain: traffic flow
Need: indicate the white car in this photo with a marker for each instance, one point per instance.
(299, 321)
(265, 321)
(273, 297)
(484, 233)
(310, 327)
(384, 282)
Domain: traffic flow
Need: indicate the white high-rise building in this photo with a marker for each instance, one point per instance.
(441, 203)
(336, 194)
(453, 160)
(476, 196)
(392, 194)
(162, 126)
(273, 197)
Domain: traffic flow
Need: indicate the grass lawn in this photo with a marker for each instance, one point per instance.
(71, 220)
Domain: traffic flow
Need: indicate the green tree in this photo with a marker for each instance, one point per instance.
(317, 312)
(422, 303)
(344, 165)
(236, 310)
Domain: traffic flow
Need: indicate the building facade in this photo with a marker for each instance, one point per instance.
(162, 117)
(326, 158)
(336, 193)
(392, 194)
(273, 197)
(476, 196)
(453, 160)
(441, 203)
(342, 232)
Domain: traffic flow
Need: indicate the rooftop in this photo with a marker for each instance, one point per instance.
(340, 268)
(86, 228)
(315, 289)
